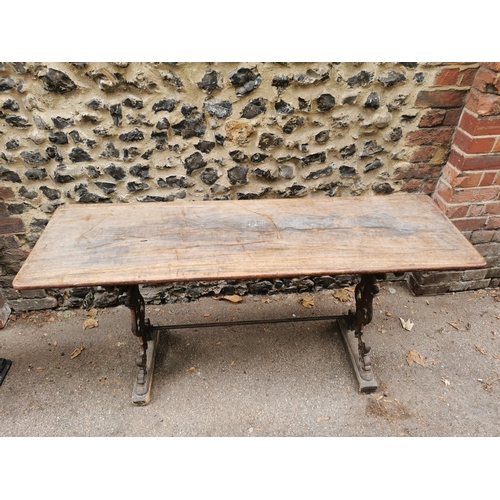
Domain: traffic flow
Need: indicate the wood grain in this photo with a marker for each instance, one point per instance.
(146, 243)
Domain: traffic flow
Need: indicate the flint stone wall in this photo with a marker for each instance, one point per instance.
(169, 132)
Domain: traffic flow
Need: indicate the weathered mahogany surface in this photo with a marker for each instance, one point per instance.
(144, 243)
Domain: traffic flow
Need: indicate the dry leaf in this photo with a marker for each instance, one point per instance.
(306, 302)
(206, 315)
(40, 368)
(341, 295)
(232, 298)
(77, 352)
(453, 324)
(323, 419)
(496, 356)
(90, 323)
(414, 356)
(407, 325)
(232, 362)
(92, 313)
(388, 314)
(445, 381)
(191, 369)
(480, 349)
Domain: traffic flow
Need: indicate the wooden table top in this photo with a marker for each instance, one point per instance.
(147, 243)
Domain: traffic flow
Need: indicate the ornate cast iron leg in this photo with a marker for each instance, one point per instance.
(148, 339)
(358, 350)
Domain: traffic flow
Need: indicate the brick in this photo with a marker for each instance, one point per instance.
(447, 77)
(440, 156)
(444, 191)
(440, 98)
(493, 272)
(432, 118)
(488, 178)
(487, 81)
(23, 305)
(474, 274)
(495, 66)
(493, 223)
(412, 186)
(489, 249)
(475, 195)
(475, 210)
(466, 77)
(469, 285)
(475, 125)
(474, 162)
(423, 154)
(496, 147)
(452, 117)
(467, 180)
(449, 173)
(492, 208)
(6, 193)
(435, 277)
(456, 211)
(431, 136)
(430, 186)
(470, 144)
(483, 104)
(11, 225)
(482, 236)
(470, 224)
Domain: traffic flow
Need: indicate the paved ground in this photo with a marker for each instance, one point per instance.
(289, 379)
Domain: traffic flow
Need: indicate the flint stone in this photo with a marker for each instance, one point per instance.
(209, 82)
(254, 107)
(53, 152)
(287, 171)
(219, 139)
(322, 137)
(147, 154)
(58, 138)
(93, 172)
(238, 156)
(320, 173)
(325, 102)
(174, 181)
(110, 151)
(33, 158)
(17, 121)
(10, 104)
(165, 105)
(133, 103)
(86, 197)
(346, 171)
(30, 195)
(116, 113)
(96, 104)
(163, 124)
(6, 83)
(304, 105)
(106, 187)
(187, 109)
(209, 176)
(361, 79)
(313, 158)
(63, 178)
(118, 173)
(266, 174)
(281, 82)
(372, 101)
(373, 165)
(194, 162)
(57, 81)
(191, 127)
(248, 196)
(218, 108)
(238, 174)
(133, 135)
(371, 148)
(396, 134)
(133, 186)
(61, 123)
(293, 191)
(269, 141)
(292, 124)
(205, 146)
(382, 188)
(244, 80)
(41, 124)
(391, 78)
(283, 107)
(78, 155)
(141, 171)
(258, 157)
(12, 144)
(51, 194)
(38, 225)
(130, 153)
(419, 77)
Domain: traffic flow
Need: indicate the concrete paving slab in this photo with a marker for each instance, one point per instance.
(291, 379)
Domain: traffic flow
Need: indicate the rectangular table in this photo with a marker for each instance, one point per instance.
(132, 244)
